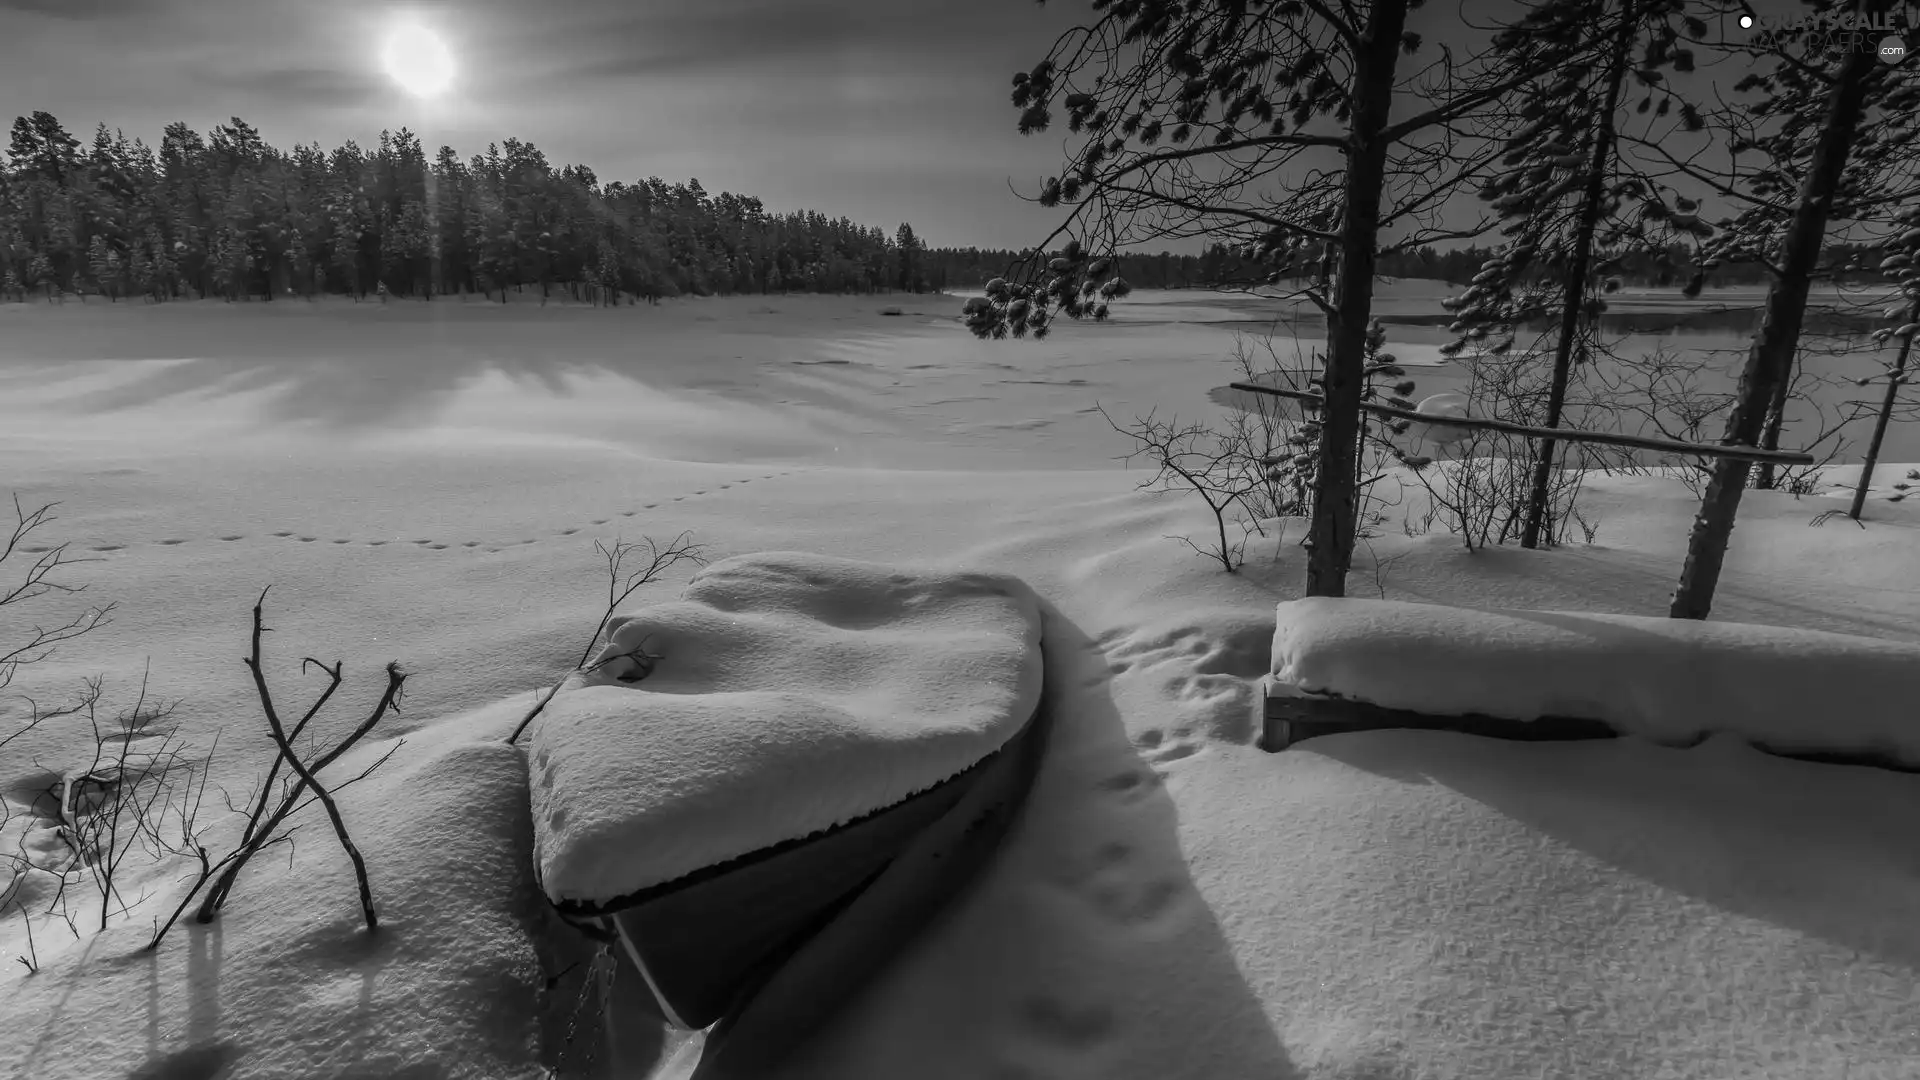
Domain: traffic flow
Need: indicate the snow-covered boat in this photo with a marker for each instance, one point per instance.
(761, 791)
(707, 942)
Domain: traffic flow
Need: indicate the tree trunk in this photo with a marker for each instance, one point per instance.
(1894, 382)
(1330, 535)
(1540, 494)
(1770, 360)
(1770, 435)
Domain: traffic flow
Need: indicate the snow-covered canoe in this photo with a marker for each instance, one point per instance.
(765, 788)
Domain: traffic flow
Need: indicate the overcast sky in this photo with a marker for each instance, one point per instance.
(881, 110)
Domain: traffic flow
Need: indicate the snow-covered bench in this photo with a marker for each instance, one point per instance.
(1346, 664)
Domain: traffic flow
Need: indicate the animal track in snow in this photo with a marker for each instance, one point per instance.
(289, 534)
(1208, 673)
(1124, 889)
(1060, 1023)
(1129, 785)
(1133, 899)
(1160, 750)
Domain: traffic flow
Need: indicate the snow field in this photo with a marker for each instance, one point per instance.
(1174, 903)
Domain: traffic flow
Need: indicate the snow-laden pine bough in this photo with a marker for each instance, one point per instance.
(1354, 665)
(759, 793)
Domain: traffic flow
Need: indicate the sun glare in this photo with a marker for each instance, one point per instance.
(418, 60)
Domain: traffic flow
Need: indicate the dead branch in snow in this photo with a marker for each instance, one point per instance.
(39, 580)
(621, 584)
(30, 645)
(1195, 457)
(264, 830)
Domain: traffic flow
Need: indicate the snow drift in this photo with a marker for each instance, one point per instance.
(783, 695)
(286, 982)
(1671, 680)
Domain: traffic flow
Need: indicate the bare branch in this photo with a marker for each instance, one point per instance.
(660, 558)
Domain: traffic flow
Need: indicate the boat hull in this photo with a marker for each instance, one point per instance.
(707, 944)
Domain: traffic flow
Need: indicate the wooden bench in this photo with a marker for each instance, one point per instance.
(1293, 715)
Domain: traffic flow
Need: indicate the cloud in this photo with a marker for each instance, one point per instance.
(316, 86)
(81, 10)
(775, 36)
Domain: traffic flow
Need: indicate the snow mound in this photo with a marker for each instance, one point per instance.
(791, 693)
(1672, 680)
(287, 982)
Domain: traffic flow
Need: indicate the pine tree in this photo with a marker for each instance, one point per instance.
(910, 251)
(140, 271)
(1823, 101)
(1903, 262)
(40, 272)
(1574, 211)
(1186, 114)
(99, 270)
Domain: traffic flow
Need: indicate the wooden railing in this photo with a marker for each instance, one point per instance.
(1639, 442)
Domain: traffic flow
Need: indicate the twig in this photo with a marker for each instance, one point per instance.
(273, 770)
(307, 776)
(680, 549)
(259, 834)
(37, 582)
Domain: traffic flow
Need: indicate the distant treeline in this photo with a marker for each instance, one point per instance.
(1220, 265)
(227, 215)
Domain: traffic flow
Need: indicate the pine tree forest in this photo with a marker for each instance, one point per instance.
(227, 216)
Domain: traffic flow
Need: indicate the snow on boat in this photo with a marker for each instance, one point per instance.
(762, 790)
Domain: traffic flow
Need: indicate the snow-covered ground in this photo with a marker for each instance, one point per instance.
(424, 483)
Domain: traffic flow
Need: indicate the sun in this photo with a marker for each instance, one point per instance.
(418, 60)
